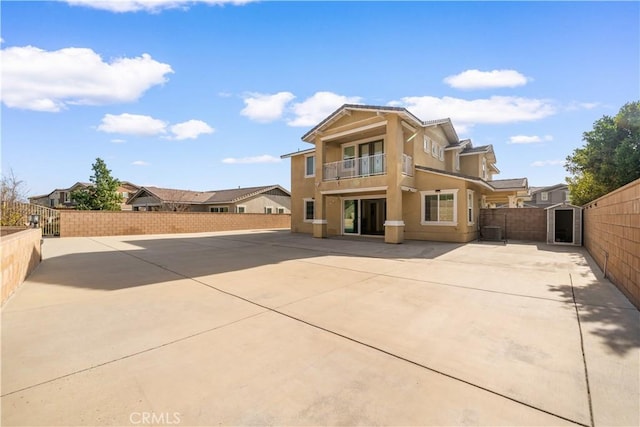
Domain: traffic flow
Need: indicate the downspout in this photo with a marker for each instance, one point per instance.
(606, 259)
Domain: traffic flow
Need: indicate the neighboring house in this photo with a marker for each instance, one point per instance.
(60, 198)
(382, 171)
(543, 197)
(268, 199)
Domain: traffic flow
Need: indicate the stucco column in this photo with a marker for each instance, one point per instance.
(394, 224)
(320, 205)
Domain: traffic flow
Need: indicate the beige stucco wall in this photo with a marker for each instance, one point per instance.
(301, 188)
(412, 208)
(471, 165)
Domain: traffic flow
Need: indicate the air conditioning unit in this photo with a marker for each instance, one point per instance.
(492, 232)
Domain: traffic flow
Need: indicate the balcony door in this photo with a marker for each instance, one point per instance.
(371, 158)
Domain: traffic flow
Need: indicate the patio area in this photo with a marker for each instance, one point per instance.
(274, 328)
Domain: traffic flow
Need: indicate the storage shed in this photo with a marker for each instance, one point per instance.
(564, 224)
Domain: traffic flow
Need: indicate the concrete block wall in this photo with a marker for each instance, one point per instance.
(612, 237)
(521, 223)
(118, 223)
(21, 253)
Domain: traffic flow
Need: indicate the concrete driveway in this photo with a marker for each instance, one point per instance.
(273, 328)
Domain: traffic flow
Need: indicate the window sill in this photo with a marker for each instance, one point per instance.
(439, 224)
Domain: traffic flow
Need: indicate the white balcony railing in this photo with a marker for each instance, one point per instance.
(357, 167)
(407, 165)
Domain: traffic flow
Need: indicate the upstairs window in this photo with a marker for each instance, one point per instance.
(425, 144)
(484, 168)
(441, 152)
(457, 161)
(434, 149)
(310, 166)
(544, 196)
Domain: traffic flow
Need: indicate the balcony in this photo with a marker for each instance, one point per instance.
(364, 166)
(356, 168)
(407, 165)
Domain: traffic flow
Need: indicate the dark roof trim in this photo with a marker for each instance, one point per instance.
(446, 123)
(298, 153)
(469, 178)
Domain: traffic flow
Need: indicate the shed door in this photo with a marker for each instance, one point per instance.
(563, 226)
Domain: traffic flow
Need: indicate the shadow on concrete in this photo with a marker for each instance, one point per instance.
(615, 320)
(178, 257)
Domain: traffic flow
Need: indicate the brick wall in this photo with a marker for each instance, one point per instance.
(104, 223)
(612, 235)
(21, 253)
(521, 223)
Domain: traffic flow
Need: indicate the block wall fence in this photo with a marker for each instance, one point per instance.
(521, 224)
(21, 253)
(119, 223)
(612, 237)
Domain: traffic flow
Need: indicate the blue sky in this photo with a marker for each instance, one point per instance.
(205, 95)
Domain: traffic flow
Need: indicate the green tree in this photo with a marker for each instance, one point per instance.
(610, 157)
(102, 194)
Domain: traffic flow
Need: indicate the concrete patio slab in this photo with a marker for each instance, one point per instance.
(264, 328)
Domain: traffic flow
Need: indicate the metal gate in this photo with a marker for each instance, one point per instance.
(18, 213)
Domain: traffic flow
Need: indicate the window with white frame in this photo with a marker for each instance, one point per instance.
(434, 149)
(439, 207)
(241, 209)
(268, 209)
(219, 209)
(280, 210)
(457, 161)
(425, 144)
(441, 152)
(309, 207)
(470, 217)
(544, 196)
(309, 166)
(484, 168)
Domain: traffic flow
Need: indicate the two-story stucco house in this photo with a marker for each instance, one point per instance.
(381, 171)
(543, 197)
(60, 198)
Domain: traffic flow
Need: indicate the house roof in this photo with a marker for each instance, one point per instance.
(456, 175)
(172, 195)
(509, 184)
(549, 188)
(298, 153)
(446, 124)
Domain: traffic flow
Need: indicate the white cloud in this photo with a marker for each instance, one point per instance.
(525, 139)
(40, 80)
(476, 79)
(191, 129)
(467, 113)
(122, 6)
(575, 105)
(542, 163)
(314, 109)
(265, 158)
(132, 124)
(266, 108)
(118, 141)
(140, 163)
